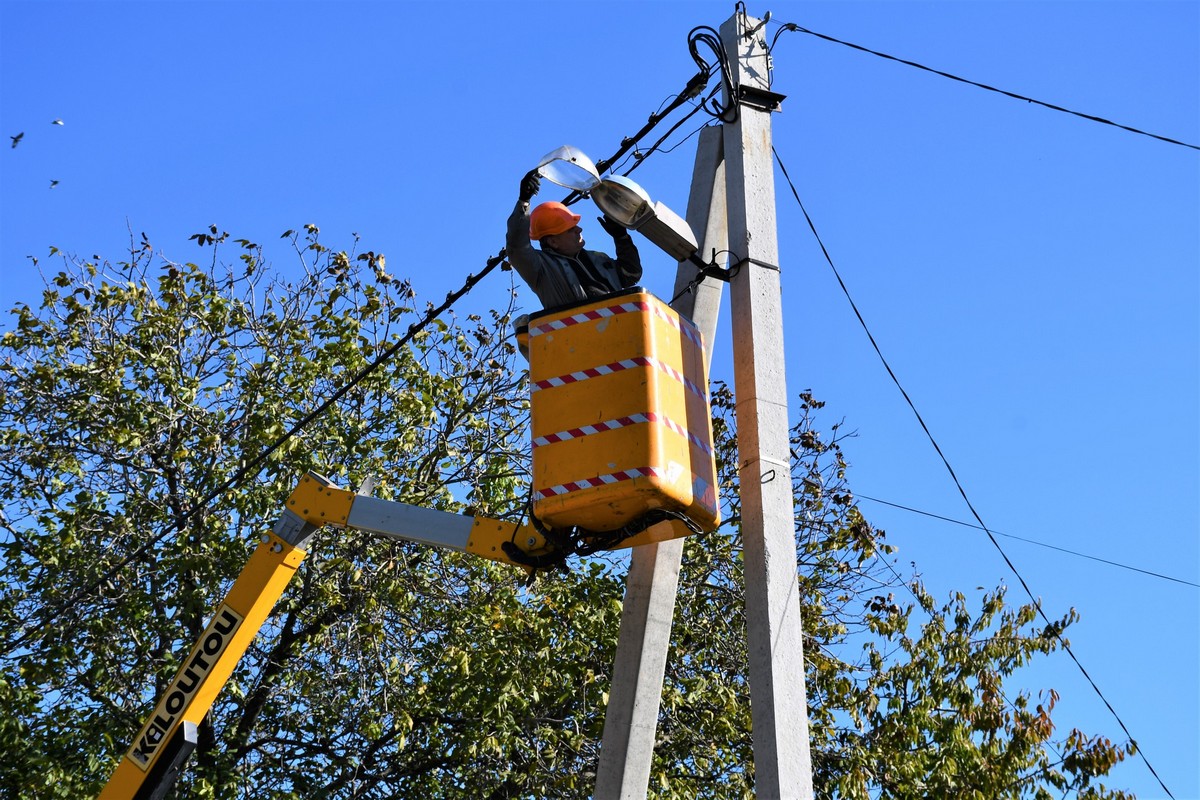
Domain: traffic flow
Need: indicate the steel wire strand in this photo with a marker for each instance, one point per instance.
(1030, 541)
(791, 26)
(954, 477)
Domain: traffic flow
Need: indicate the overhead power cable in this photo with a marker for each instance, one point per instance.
(695, 86)
(706, 36)
(946, 462)
(902, 582)
(640, 156)
(1030, 541)
(791, 26)
(253, 465)
(699, 36)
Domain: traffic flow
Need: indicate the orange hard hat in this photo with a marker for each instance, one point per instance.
(551, 218)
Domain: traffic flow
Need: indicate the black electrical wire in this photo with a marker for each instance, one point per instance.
(791, 26)
(256, 463)
(679, 143)
(904, 583)
(710, 38)
(639, 157)
(962, 492)
(694, 87)
(700, 35)
(1030, 541)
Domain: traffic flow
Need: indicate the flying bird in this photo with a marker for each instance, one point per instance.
(53, 183)
(16, 140)
(57, 122)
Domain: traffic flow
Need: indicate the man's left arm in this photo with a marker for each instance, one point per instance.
(628, 260)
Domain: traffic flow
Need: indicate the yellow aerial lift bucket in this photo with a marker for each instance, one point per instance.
(621, 417)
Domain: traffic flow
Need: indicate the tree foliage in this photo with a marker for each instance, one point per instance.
(137, 389)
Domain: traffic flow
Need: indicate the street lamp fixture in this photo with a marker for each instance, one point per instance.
(623, 201)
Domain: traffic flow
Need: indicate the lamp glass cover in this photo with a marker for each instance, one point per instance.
(570, 168)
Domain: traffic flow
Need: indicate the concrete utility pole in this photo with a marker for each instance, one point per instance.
(782, 762)
(733, 201)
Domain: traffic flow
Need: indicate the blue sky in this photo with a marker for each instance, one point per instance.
(1032, 277)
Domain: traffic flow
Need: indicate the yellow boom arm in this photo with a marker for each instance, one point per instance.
(160, 748)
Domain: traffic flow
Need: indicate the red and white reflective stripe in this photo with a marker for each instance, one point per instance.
(679, 376)
(585, 316)
(599, 480)
(617, 366)
(622, 422)
(704, 446)
(592, 372)
(686, 328)
(608, 425)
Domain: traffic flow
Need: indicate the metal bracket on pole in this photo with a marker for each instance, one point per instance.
(762, 99)
(754, 261)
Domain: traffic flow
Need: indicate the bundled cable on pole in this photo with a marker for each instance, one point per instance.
(710, 38)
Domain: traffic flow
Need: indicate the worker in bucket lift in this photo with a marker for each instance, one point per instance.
(562, 272)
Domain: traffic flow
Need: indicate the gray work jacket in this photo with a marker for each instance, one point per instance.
(553, 276)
